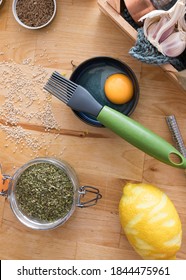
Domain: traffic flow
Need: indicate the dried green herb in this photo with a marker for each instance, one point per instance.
(44, 192)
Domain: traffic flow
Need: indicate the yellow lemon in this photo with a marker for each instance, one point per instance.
(150, 221)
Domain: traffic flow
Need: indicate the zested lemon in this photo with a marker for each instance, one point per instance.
(150, 221)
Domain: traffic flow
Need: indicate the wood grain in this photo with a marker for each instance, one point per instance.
(100, 158)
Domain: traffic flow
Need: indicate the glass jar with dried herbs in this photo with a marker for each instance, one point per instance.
(44, 193)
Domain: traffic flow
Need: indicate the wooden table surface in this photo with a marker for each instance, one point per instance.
(33, 124)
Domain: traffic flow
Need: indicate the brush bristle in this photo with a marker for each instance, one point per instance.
(60, 87)
(73, 95)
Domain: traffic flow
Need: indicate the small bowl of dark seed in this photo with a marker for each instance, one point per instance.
(34, 14)
(44, 193)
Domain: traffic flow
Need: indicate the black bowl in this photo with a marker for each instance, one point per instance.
(92, 74)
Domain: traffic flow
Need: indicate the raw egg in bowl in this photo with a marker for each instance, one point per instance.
(118, 88)
(111, 82)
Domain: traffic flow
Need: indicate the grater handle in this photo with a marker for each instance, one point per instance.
(141, 137)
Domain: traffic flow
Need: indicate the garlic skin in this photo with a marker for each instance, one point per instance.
(166, 30)
(155, 33)
(174, 45)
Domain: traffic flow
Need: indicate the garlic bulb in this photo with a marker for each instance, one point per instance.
(166, 30)
(174, 45)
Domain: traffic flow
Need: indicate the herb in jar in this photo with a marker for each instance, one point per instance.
(35, 13)
(44, 192)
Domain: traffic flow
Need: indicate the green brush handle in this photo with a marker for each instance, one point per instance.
(140, 137)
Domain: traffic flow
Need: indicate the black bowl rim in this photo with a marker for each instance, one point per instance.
(84, 117)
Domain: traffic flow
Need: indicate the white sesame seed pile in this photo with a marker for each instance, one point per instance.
(21, 137)
(24, 101)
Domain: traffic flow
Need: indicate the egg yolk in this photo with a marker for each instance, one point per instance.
(118, 88)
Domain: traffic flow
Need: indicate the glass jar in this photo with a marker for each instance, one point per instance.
(77, 193)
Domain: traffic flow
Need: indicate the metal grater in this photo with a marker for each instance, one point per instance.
(176, 134)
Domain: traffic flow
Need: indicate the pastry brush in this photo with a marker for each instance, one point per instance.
(79, 99)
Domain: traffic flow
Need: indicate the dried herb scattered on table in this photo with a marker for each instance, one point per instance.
(44, 192)
(35, 13)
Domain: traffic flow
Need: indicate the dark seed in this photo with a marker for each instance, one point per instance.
(34, 13)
